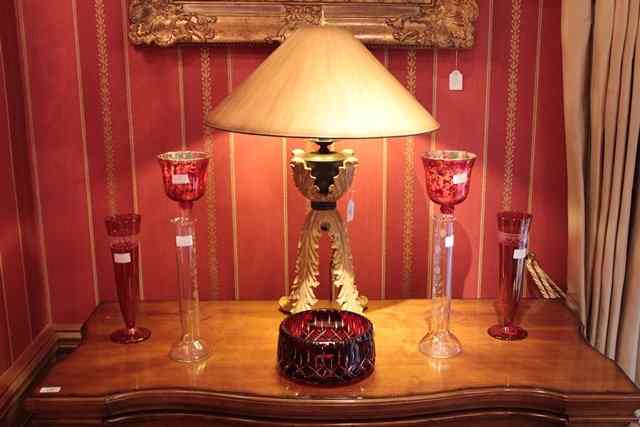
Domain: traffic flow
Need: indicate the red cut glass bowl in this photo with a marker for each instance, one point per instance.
(326, 347)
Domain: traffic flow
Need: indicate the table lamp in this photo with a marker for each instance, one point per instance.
(322, 84)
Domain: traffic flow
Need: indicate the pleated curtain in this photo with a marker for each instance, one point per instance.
(601, 77)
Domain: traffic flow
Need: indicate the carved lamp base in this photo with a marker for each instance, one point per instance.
(323, 177)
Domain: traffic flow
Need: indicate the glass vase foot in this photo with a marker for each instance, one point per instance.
(130, 336)
(507, 333)
(188, 351)
(441, 345)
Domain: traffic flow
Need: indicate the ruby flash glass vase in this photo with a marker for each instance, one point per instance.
(513, 238)
(123, 233)
(448, 176)
(184, 174)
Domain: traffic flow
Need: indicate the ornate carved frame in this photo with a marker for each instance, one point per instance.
(418, 23)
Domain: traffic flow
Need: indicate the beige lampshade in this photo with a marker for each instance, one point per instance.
(322, 83)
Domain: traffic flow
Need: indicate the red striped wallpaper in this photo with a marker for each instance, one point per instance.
(24, 297)
(98, 110)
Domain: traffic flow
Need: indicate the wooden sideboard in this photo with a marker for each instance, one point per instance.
(553, 378)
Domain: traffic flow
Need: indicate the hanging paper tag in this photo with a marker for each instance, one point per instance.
(50, 389)
(455, 80)
(351, 210)
(460, 178)
(184, 241)
(180, 179)
(124, 258)
(448, 242)
(520, 253)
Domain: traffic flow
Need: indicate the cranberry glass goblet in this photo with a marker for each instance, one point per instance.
(513, 237)
(448, 176)
(123, 230)
(184, 174)
(447, 181)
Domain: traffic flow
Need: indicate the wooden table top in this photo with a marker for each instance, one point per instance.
(554, 364)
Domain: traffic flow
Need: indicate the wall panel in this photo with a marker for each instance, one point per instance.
(57, 129)
(24, 302)
(549, 227)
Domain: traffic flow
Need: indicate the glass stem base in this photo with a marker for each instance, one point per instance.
(130, 336)
(507, 332)
(189, 350)
(440, 345)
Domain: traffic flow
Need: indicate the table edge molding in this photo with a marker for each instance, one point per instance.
(587, 406)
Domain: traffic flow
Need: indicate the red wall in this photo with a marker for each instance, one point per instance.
(102, 110)
(24, 306)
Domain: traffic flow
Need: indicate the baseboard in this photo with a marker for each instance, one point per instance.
(33, 362)
(69, 335)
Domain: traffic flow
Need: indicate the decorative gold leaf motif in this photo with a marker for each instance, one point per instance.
(301, 295)
(296, 15)
(342, 274)
(512, 104)
(105, 105)
(442, 24)
(165, 23)
(207, 105)
(408, 187)
(305, 181)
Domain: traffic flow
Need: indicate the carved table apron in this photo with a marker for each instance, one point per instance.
(551, 378)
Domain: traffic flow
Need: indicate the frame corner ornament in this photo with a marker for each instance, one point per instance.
(295, 16)
(165, 23)
(442, 24)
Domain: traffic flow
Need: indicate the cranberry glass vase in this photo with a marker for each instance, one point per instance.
(447, 180)
(513, 237)
(123, 230)
(184, 174)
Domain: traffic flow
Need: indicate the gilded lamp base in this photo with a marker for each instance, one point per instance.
(323, 177)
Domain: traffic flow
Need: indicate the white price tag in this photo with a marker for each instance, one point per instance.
(351, 210)
(448, 242)
(122, 258)
(455, 80)
(50, 389)
(184, 241)
(180, 179)
(520, 253)
(460, 178)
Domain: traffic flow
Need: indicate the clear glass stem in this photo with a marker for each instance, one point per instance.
(442, 272)
(190, 347)
(189, 297)
(440, 342)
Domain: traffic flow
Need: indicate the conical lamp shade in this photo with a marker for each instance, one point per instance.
(322, 83)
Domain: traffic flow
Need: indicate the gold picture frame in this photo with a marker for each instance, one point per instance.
(420, 23)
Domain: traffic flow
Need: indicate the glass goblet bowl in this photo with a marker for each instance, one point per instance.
(184, 174)
(448, 177)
